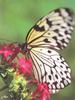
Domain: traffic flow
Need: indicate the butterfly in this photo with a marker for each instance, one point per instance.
(49, 34)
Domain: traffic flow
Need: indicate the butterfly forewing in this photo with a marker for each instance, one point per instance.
(53, 30)
(50, 67)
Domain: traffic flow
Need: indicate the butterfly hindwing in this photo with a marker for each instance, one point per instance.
(53, 30)
(50, 67)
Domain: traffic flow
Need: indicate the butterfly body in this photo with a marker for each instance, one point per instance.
(24, 47)
(51, 33)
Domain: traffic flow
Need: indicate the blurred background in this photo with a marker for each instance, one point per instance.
(18, 16)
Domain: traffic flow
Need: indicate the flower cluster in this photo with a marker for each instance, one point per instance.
(18, 75)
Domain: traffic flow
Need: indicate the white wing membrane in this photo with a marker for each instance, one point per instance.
(50, 67)
(53, 30)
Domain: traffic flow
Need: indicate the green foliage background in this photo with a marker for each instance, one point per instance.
(18, 16)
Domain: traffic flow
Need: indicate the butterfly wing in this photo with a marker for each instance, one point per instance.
(50, 67)
(53, 30)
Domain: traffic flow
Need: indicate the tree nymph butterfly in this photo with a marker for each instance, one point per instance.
(49, 34)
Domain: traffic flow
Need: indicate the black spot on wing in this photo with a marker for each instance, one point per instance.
(63, 41)
(68, 24)
(49, 33)
(44, 75)
(55, 38)
(63, 81)
(61, 73)
(54, 84)
(56, 76)
(60, 35)
(51, 72)
(58, 45)
(63, 27)
(40, 29)
(49, 51)
(58, 11)
(56, 30)
(69, 11)
(46, 40)
(50, 77)
(49, 22)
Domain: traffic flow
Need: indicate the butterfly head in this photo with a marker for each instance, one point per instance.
(24, 47)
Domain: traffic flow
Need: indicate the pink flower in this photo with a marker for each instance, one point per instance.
(42, 92)
(5, 50)
(8, 50)
(25, 65)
